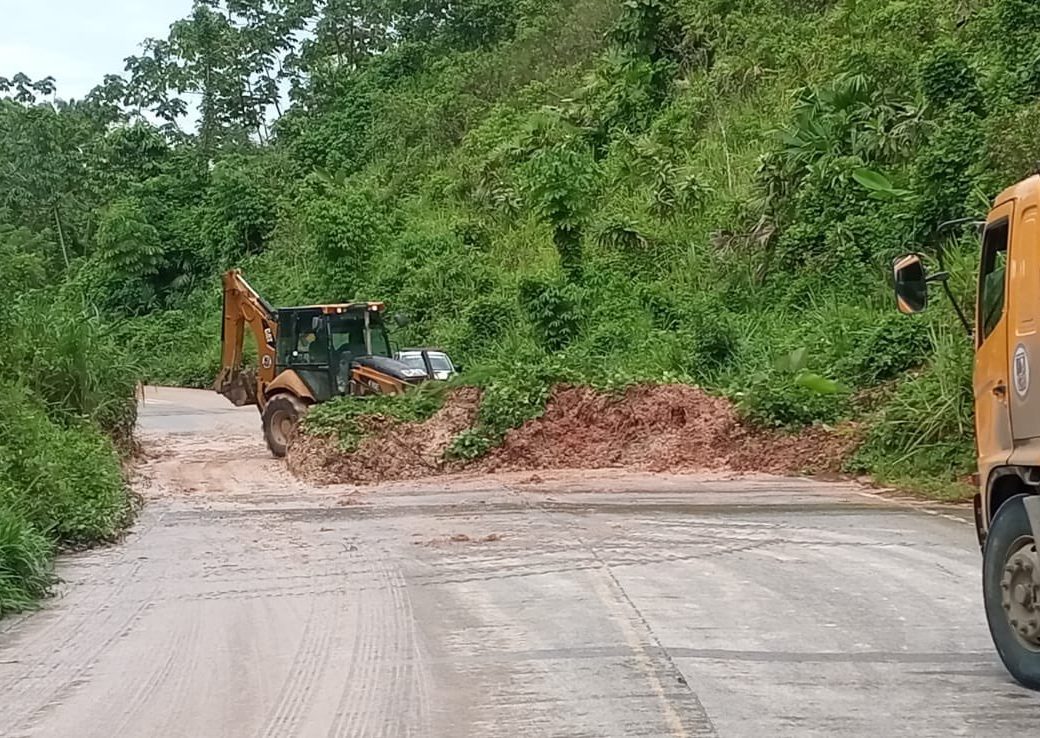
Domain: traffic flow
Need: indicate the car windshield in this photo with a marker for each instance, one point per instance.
(413, 360)
(440, 363)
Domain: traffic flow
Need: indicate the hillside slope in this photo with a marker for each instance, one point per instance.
(649, 192)
(705, 192)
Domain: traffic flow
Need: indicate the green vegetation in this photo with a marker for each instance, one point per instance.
(66, 404)
(344, 418)
(588, 190)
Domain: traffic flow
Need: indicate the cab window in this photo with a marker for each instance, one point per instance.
(311, 341)
(348, 335)
(992, 277)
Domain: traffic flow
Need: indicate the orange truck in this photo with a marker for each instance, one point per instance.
(1006, 336)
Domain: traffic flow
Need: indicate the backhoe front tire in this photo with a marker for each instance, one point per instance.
(281, 416)
(1011, 596)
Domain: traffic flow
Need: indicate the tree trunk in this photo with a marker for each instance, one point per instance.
(61, 237)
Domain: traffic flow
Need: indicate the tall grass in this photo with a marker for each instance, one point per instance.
(922, 434)
(66, 401)
(25, 562)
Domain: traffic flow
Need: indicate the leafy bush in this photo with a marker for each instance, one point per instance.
(892, 346)
(344, 418)
(347, 228)
(119, 276)
(58, 485)
(948, 79)
(71, 360)
(241, 209)
(65, 481)
(552, 309)
(926, 423)
(789, 395)
(66, 393)
(24, 266)
(508, 402)
(177, 347)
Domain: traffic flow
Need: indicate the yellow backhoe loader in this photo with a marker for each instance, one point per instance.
(1006, 336)
(305, 355)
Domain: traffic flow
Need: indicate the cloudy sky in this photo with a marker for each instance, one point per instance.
(79, 41)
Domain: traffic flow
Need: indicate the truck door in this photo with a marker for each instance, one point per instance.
(1024, 320)
(992, 362)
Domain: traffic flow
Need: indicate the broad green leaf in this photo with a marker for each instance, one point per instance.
(819, 385)
(874, 181)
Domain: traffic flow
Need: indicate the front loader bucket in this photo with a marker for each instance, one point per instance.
(239, 388)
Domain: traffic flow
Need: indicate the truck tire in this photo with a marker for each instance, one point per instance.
(280, 418)
(1011, 597)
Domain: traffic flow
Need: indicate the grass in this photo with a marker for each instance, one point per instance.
(343, 418)
(25, 562)
(67, 405)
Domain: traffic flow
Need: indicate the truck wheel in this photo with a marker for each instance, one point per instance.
(1011, 594)
(280, 418)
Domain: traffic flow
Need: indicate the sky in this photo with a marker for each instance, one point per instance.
(79, 41)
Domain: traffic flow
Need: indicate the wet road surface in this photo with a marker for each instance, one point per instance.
(245, 603)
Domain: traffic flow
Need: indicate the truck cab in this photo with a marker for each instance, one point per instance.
(330, 347)
(1006, 337)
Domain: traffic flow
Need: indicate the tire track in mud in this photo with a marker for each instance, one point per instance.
(353, 674)
(48, 685)
(58, 617)
(173, 653)
(353, 711)
(409, 670)
(683, 713)
(178, 699)
(384, 692)
(306, 672)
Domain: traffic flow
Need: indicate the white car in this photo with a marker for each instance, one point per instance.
(432, 361)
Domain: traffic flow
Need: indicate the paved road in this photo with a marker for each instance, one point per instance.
(246, 604)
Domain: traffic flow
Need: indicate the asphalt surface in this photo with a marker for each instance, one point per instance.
(247, 604)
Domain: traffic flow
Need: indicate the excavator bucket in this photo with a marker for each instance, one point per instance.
(238, 387)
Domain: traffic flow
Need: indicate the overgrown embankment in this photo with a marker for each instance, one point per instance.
(67, 411)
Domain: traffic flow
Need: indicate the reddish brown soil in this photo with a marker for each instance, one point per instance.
(648, 428)
(394, 451)
(662, 428)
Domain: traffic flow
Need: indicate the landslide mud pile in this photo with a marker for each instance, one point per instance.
(650, 428)
(661, 428)
(393, 451)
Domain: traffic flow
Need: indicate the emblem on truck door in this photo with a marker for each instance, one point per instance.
(1021, 369)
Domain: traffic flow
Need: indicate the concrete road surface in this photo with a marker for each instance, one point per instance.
(247, 604)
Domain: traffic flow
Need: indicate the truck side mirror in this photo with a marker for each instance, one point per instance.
(402, 319)
(911, 283)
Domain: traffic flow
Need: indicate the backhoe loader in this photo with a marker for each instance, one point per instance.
(305, 355)
(1006, 338)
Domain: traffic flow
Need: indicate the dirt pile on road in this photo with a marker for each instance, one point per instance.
(662, 428)
(393, 450)
(647, 428)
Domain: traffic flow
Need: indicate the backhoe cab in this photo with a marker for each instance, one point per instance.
(305, 355)
(1006, 337)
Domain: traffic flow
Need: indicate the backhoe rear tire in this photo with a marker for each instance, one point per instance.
(281, 417)
(1011, 596)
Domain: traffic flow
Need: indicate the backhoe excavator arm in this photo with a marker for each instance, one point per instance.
(243, 306)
